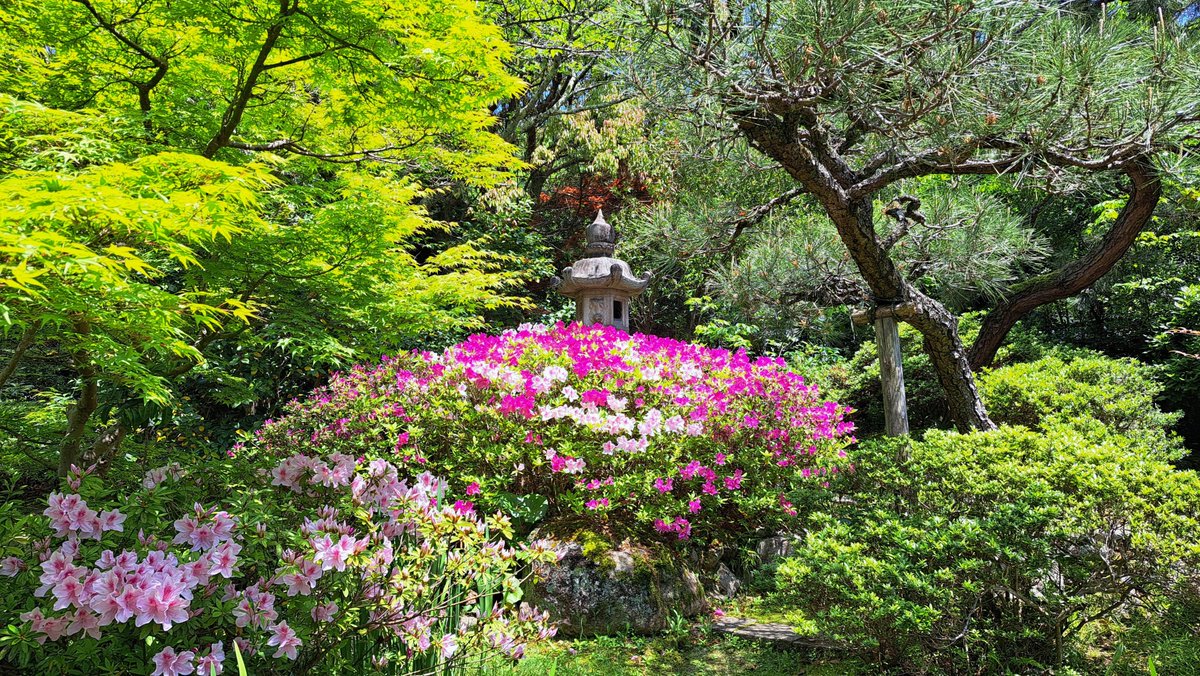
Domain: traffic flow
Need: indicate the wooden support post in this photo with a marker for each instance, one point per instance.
(891, 375)
(891, 367)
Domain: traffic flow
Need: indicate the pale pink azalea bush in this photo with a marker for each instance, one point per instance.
(673, 438)
(354, 569)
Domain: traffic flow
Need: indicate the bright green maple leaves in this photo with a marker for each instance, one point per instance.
(403, 82)
(96, 249)
(186, 183)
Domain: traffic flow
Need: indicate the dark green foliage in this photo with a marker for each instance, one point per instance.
(993, 551)
(926, 403)
(1034, 383)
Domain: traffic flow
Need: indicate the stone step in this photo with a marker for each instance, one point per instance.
(773, 632)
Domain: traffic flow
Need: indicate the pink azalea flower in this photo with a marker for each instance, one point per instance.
(447, 646)
(122, 606)
(691, 470)
(223, 559)
(213, 662)
(163, 605)
(683, 527)
(303, 580)
(734, 482)
(167, 663)
(68, 592)
(255, 609)
(334, 554)
(10, 566)
(86, 622)
(473, 488)
(285, 639)
(324, 612)
(675, 424)
(112, 520)
(598, 398)
(107, 560)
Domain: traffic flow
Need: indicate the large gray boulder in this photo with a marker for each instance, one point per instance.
(598, 588)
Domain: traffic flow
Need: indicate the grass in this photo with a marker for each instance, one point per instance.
(763, 609)
(696, 652)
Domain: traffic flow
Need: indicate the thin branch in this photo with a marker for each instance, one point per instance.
(22, 346)
(757, 214)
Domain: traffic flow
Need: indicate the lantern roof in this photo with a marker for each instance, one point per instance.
(599, 270)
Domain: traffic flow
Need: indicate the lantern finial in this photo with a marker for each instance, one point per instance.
(601, 238)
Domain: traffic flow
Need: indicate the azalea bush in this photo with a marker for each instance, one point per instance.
(344, 566)
(638, 431)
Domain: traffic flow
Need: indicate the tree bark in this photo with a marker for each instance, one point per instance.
(233, 114)
(939, 333)
(1144, 192)
(107, 444)
(77, 418)
(160, 63)
(824, 175)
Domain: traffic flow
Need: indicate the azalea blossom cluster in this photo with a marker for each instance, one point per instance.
(352, 548)
(679, 437)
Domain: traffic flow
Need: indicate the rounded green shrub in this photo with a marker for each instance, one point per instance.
(993, 551)
(1086, 391)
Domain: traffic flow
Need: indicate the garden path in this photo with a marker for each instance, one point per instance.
(769, 631)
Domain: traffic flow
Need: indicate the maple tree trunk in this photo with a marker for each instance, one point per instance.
(77, 420)
(23, 345)
(79, 413)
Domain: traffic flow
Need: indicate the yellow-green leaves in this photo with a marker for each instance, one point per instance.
(98, 249)
(112, 226)
(402, 82)
(299, 240)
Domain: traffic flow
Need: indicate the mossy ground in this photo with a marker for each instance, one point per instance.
(698, 652)
(766, 610)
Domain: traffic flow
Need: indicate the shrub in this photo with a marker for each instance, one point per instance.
(992, 551)
(1033, 383)
(646, 433)
(1119, 394)
(324, 562)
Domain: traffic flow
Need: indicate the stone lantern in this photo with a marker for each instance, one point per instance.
(602, 286)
